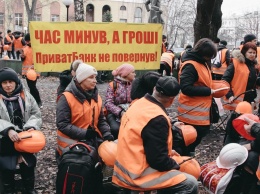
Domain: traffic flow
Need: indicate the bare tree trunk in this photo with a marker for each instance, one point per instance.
(79, 10)
(202, 24)
(30, 11)
(216, 20)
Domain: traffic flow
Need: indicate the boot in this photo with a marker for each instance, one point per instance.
(8, 182)
(29, 185)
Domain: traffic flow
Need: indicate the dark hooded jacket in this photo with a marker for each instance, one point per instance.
(189, 76)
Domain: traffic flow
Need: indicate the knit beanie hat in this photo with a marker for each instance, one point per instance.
(74, 65)
(84, 71)
(7, 73)
(167, 86)
(123, 70)
(249, 38)
(27, 37)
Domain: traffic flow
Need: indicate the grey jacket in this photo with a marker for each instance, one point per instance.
(32, 114)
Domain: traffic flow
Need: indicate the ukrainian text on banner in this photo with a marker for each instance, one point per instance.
(103, 45)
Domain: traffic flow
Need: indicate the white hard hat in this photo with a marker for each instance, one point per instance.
(232, 155)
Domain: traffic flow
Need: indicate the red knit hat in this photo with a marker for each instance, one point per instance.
(123, 70)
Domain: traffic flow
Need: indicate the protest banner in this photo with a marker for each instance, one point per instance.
(103, 45)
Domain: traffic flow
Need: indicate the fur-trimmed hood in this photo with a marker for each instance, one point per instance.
(239, 56)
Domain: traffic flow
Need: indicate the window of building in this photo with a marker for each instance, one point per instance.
(18, 22)
(123, 8)
(1, 18)
(37, 17)
(123, 20)
(55, 18)
(138, 15)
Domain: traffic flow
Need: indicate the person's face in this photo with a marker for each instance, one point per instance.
(8, 86)
(254, 41)
(131, 76)
(250, 54)
(89, 83)
(10, 33)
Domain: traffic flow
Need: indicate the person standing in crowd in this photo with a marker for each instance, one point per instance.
(220, 63)
(145, 145)
(165, 44)
(8, 40)
(241, 75)
(178, 66)
(19, 43)
(18, 112)
(66, 77)
(195, 81)
(167, 63)
(118, 95)
(1, 45)
(28, 63)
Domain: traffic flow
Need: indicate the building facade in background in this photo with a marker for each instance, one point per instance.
(13, 13)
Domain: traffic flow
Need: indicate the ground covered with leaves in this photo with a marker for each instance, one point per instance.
(46, 165)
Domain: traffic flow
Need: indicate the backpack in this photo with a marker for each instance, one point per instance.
(216, 62)
(113, 85)
(79, 171)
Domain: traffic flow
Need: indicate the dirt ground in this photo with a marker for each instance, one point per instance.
(46, 166)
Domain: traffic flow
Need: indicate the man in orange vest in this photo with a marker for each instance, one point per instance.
(221, 61)
(27, 58)
(9, 39)
(144, 152)
(19, 43)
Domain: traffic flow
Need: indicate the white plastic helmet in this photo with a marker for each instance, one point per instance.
(232, 155)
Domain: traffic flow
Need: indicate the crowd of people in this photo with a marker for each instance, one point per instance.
(134, 114)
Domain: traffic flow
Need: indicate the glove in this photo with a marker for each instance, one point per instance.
(90, 134)
(109, 138)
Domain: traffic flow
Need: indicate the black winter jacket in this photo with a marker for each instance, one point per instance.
(63, 114)
(189, 76)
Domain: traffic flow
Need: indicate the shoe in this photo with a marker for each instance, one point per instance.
(40, 105)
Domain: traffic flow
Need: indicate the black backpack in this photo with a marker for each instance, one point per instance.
(79, 171)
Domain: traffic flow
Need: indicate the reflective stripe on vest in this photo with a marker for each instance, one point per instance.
(200, 115)
(221, 70)
(241, 74)
(81, 116)
(131, 170)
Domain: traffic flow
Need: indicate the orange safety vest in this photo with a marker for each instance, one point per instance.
(28, 61)
(18, 43)
(200, 115)
(221, 70)
(81, 116)
(168, 58)
(238, 83)
(9, 40)
(258, 56)
(131, 169)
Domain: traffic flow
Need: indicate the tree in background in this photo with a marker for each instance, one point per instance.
(208, 19)
(30, 10)
(107, 16)
(79, 10)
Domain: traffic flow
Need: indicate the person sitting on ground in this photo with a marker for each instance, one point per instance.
(18, 112)
(66, 77)
(118, 95)
(145, 145)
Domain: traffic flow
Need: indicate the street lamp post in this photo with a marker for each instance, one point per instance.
(67, 3)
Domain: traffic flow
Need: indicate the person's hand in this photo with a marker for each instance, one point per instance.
(90, 134)
(109, 138)
(13, 135)
(247, 146)
(178, 124)
(249, 124)
(231, 99)
(174, 153)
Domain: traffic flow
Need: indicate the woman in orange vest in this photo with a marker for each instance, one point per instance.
(18, 112)
(241, 75)
(196, 82)
(9, 38)
(144, 151)
(28, 63)
(19, 43)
